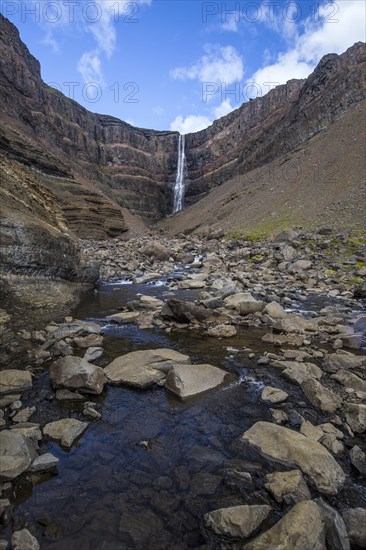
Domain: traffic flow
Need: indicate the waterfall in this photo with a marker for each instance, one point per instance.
(179, 180)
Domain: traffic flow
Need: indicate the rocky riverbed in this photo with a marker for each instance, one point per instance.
(207, 393)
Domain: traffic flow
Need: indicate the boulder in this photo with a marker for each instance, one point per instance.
(24, 414)
(13, 380)
(288, 487)
(358, 459)
(238, 522)
(188, 380)
(90, 340)
(250, 306)
(342, 361)
(336, 537)
(355, 520)
(295, 323)
(299, 266)
(124, 317)
(184, 312)
(156, 250)
(300, 529)
(299, 372)
(349, 380)
(44, 462)
(65, 431)
(274, 310)
(273, 395)
(74, 373)
(222, 331)
(92, 354)
(356, 417)
(142, 369)
(235, 300)
(24, 540)
(320, 396)
(16, 454)
(292, 448)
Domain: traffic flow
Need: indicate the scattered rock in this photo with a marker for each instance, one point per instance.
(288, 487)
(298, 372)
(44, 462)
(355, 520)
(16, 454)
(222, 331)
(15, 381)
(300, 529)
(74, 373)
(24, 415)
(274, 310)
(273, 395)
(356, 417)
(292, 448)
(188, 380)
(184, 312)
(358, 459)
(320, 397)
(65, 431)
(142, 369)
(24, 540)
(238, 522)
(336, 537)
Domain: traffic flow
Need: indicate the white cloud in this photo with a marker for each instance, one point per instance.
(219, 64)
(223, 109)
(98, 18)
(90, 68)
(195, 123)
(311, 40)
(192, 123)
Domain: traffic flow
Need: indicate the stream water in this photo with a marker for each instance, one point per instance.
(115, 492)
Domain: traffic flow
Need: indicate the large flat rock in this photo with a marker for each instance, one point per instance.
(301, 529)
(292, 448)
(16, 454)
(188, 380)
(237, 521)
(12, 380)
(74, 373)
(65, 431)
(142, 369)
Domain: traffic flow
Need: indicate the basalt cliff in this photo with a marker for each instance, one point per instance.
(69, 173)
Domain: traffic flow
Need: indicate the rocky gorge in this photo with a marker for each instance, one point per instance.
(178, 384)
(299, 299)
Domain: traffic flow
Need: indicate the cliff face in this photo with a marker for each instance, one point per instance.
(270, 126)
(104, 163)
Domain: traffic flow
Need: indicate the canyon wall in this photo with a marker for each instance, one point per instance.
(98, 168)
(270, 126)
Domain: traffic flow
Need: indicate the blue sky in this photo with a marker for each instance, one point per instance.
(179, 64)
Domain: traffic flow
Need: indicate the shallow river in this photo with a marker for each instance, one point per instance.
(112, 491)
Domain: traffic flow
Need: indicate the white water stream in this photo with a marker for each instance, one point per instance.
(179, 181)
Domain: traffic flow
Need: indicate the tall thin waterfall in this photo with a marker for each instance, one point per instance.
(179, 180)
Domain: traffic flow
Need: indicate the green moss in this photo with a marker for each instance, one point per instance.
(353, 282)
(256, 258)
(328, 272)
(360, 264)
